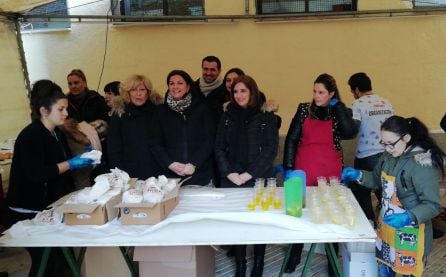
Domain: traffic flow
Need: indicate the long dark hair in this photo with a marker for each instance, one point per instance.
(235, 70)
(419, 136)
(44, 94)
(330, 84)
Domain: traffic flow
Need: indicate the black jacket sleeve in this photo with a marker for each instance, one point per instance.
(157, 144)
(114, 142)
(220, 147)
(292, 139)
(443, 122)
(201, 156)
(269, 147)
(32, 155)
(347, 127)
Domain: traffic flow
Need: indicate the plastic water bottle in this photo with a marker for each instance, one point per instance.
(303, 176)
(293, 196)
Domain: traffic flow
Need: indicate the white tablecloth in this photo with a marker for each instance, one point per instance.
(214, 217)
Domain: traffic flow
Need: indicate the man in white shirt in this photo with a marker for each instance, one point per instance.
(369, 111)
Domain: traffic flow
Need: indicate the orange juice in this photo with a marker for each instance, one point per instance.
(277, 203)
(258, 198)
(264, 204)
(251, 206)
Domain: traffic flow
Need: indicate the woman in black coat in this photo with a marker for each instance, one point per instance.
(245, 148)
(183, 132)
(42, 163)
(129, 131)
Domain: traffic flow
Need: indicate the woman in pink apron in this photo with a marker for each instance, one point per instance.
(313, 141)
(408, 173)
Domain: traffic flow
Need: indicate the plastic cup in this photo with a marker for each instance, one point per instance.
(277, 203)
(271, 182)
(265, 202)
(251, 205)
(334, 180)
(260, 182)
(321, 181)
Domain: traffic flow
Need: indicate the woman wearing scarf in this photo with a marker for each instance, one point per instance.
(183, 132)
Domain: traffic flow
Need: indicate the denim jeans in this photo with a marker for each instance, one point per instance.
(361, 193)
(385, 271)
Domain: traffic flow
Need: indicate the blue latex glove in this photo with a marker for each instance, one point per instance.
(399, 220)
(77, 162)
(278, 169)
(350, 174)
(333, 101)
(88, 148)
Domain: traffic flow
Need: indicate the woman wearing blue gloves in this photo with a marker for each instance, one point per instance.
(40, 165)
(313, 141)
(409, 174)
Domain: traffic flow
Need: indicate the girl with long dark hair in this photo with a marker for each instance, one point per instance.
(408, 173)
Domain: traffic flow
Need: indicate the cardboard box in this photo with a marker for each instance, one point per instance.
(173, 261)
(90, 214)
(104, 261)
(359, 264)
(146, 213)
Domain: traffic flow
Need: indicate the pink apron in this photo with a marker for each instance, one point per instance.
(316, 154)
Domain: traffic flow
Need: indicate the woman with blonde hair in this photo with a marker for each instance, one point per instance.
(129, 129)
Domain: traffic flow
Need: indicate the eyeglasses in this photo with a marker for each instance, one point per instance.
(391, 145)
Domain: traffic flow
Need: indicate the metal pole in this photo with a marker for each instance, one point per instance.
(22, 56)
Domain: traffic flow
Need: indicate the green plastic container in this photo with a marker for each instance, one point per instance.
(293, 196)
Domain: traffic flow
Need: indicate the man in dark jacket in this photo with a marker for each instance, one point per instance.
(210, 86)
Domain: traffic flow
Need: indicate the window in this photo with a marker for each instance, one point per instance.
(56, 8)
(429, 3)
(158, 7)
(304, 6)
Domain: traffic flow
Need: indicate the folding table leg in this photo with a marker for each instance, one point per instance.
(44, 262)
(333, 259)
(285, 260)
(308, 259)
(80, 258)
(133, 270)
(71, 262)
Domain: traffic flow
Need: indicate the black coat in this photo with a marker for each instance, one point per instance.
(186, 137)
(214, 100)
(92, 107)
(258, 155)
(344, 127)
(35, 181)
(443, 122)
(128, 141)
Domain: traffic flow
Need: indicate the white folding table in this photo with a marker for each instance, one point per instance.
(208, 217)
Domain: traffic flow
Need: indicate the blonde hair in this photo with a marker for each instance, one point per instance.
(132, 82)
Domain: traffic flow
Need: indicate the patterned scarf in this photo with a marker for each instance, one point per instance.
(179, 105)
